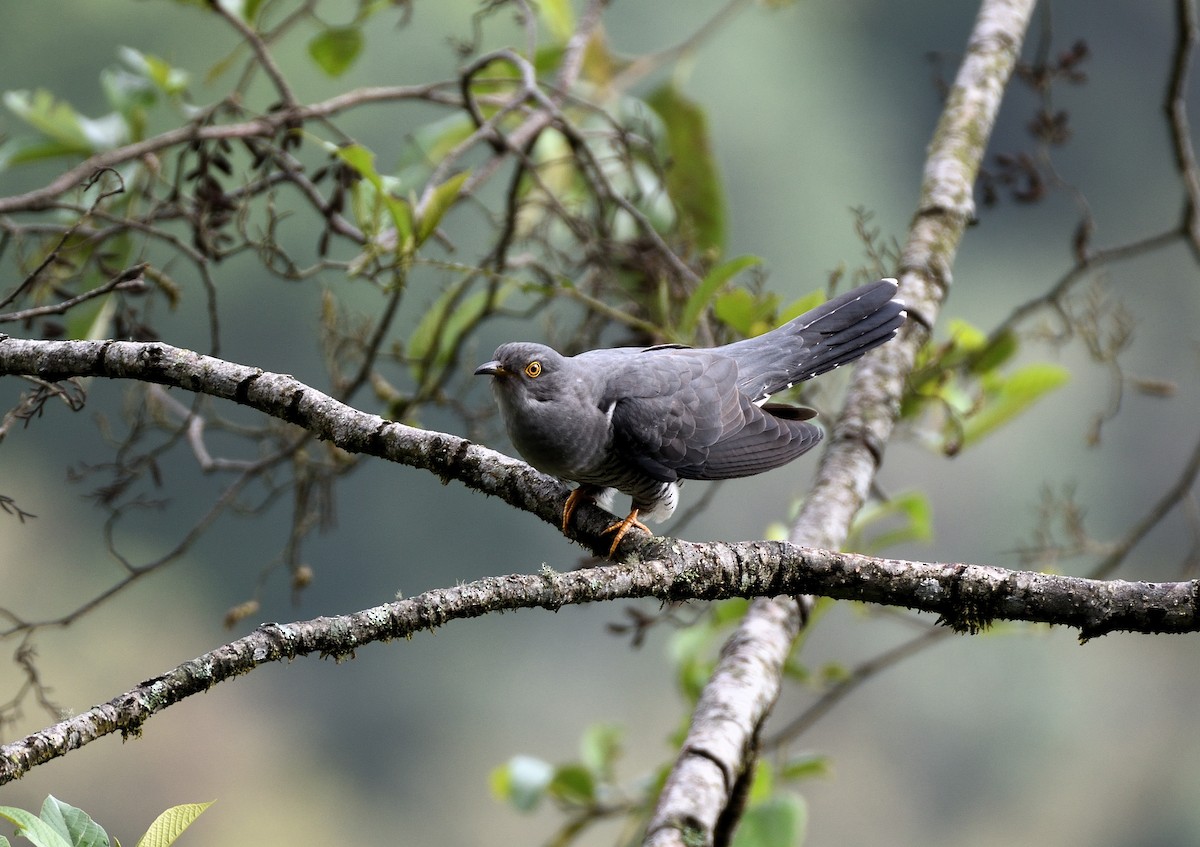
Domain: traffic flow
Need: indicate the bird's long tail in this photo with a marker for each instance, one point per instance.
(836, 332)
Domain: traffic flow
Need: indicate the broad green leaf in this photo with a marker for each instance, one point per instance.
(170, 824)
(966, 337)
(18, 151)
(692, 178)
(1007, 397)
(763, 783)
(359, 158)
(31, 827)
(443, 324)
(745, 312)
(399, 211)
(729, 611)
(439, 202)
(573, 784)
(53, 118)
(780, 822)
(244, 9)
(522, 781)
(73, 824)
(559, 18)
(915, 512)
(995, 354)
(430, 143)
(131, 95)
(58, 120)
(600, 747)
(806, 767)
(713, 282)
(335, 49)
(250, 10)
(170, 80)
(92, 321)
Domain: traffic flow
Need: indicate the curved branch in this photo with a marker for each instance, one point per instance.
(284, 397)
(966, 597)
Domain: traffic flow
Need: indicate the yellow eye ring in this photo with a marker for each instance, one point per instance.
(533, 370)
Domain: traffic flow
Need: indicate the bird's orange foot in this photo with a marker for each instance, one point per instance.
(622, 527)
(569, 507)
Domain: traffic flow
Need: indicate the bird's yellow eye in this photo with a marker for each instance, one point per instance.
(533, 370)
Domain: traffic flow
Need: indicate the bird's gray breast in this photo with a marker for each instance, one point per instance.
(564, 432)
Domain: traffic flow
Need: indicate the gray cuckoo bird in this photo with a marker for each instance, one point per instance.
(640, 419)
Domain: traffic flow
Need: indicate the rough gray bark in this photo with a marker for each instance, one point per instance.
(967, 597)
(720, 751)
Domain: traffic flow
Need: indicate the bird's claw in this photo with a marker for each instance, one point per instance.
(622, 527)
(569, 508)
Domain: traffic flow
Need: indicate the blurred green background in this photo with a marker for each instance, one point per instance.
(1020, 736)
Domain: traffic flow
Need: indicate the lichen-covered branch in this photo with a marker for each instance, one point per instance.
(719, 748)
(967, 597)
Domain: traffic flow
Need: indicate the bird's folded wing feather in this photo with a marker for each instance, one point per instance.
(679, 414)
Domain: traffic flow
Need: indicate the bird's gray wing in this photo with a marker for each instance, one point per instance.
(679, 414)
(834, 333)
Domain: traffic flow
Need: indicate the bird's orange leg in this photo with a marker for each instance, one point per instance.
(622, 527)
(569, 507)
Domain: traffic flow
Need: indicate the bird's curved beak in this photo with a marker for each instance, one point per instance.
(492, 368)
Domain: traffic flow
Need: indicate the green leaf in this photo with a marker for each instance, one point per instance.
(170, 824)
(600, 747)
(429, 144)
(53, 118)
(763, 783)
(966, 337)
(31, 827)
(995, 354)
(915, 512)
(729, 611)
(745, 312)
(559, 18)
(444, 323)
(692, 178)
(1007, 397)
(439, 202)
(73, 824)
(522, 781)
(806, 767)
(573, 784)
(247, 10)
(18, 151)
(398, 209)
(92, 321)
(708, 288)
(781, 822)
(335, 49)
(168, 79)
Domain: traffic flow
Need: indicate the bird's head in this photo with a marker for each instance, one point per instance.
(524, 372)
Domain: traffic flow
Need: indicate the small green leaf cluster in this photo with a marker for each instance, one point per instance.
(962, 386)
(140, 82)
(63, 825)
(587, 791)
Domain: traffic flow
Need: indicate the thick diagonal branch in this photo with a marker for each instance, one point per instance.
(721, 742)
